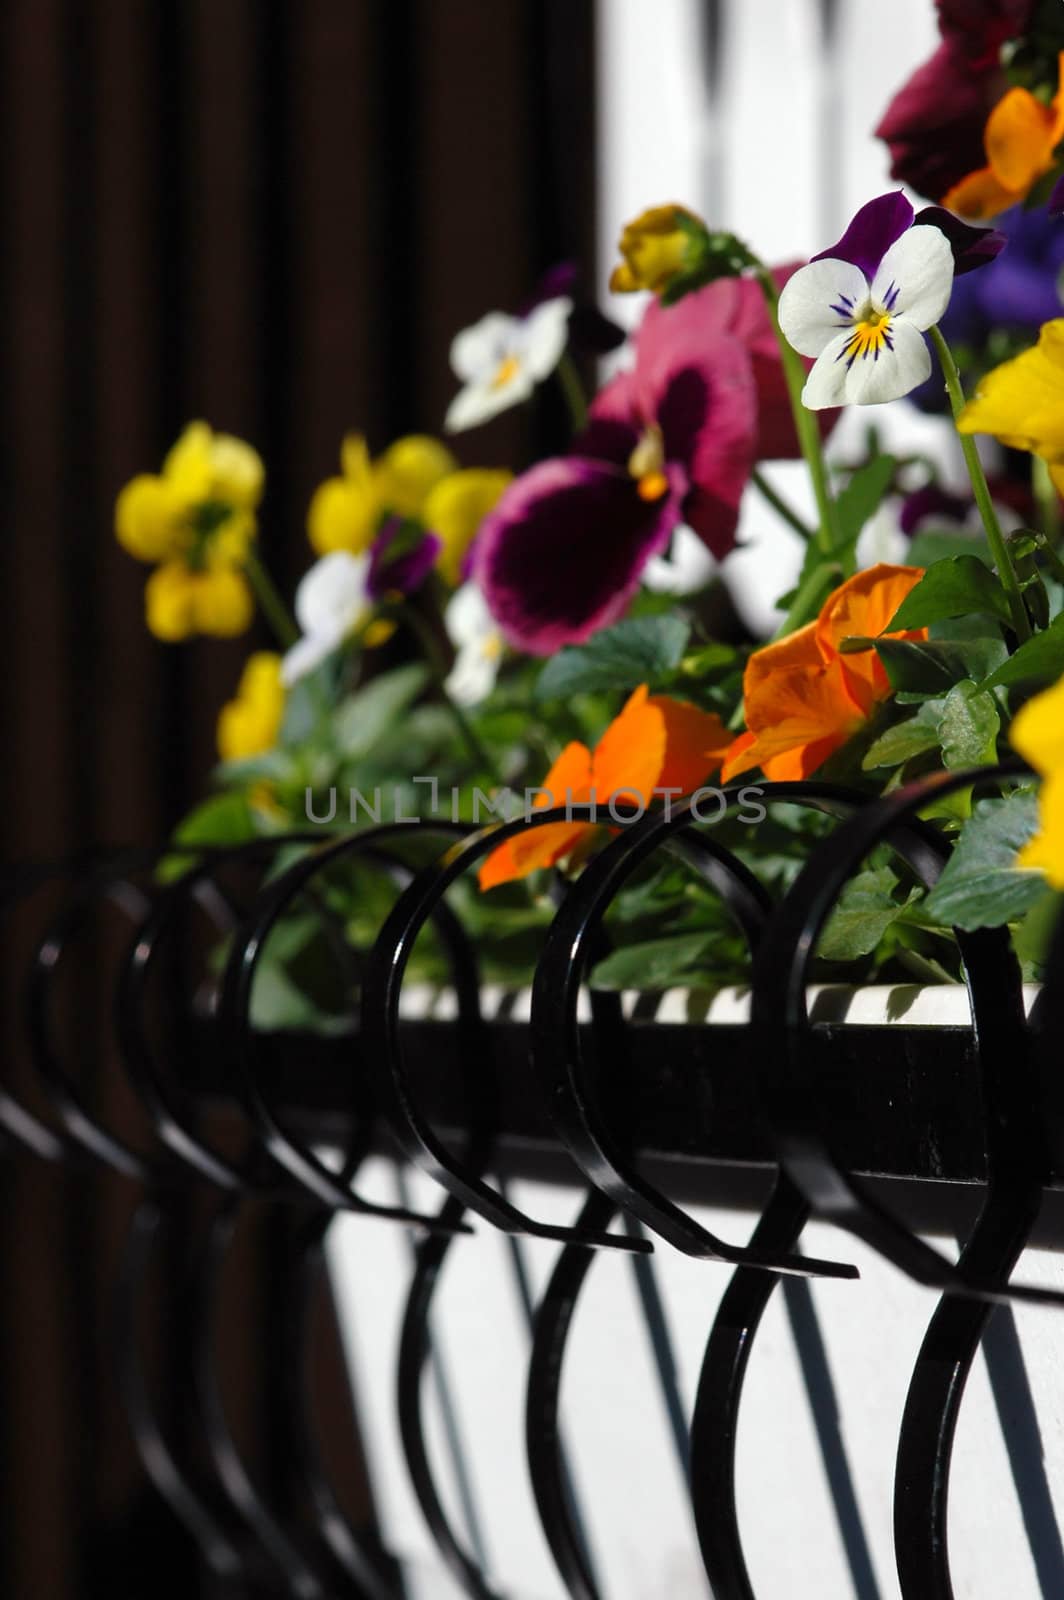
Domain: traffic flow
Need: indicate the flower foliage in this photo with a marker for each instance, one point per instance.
(561, 624)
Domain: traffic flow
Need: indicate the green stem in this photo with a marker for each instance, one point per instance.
(805, 423)
(780, 506)
(994, 536)
(573, 390)
(271, 605)
(422, 631)
(1045, 492)
(809, 597)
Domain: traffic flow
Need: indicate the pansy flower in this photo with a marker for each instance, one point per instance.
(1022, 402)
(196, 520)
(803, 698)
(478, 646)
(501, 358)
(339, 594)
(248, 724)
(346, 511)
(656, 745)
(862, 308)
(673, 440)
(1020, 140)
(1038, 734)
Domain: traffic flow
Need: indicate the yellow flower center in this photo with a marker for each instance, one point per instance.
(508, 370)
(491, 647)
(646, 465)
(871, 334)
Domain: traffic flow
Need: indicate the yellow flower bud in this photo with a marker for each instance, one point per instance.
(248, 724)
(344, 511)
(148, 519)
(454, 510)
(654, 247)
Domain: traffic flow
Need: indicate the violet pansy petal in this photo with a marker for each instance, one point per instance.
(972, 247)
(563, 551)
(932, 501)
(708, 415)
(819, 300)
(399, 573)
(915, 277)
(871, 233)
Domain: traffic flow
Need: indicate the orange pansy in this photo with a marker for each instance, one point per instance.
(655, 744)
(1021, 135)
(802, 698)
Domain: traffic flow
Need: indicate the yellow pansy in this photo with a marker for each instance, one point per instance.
(1038, 734)
(346, 511)
(248, 724)
(654, 248)
(180, 601)
(196, 519)
(454, 510)
(1022, 402)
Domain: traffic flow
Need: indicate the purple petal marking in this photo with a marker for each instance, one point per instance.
(871, 233)
(563, 551)
(403, 569)
(972, 247)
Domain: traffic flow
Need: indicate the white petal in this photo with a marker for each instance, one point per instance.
(331, 598)
(477, 351)
(897, 372)
(686, 569)
(466, 617)
(544, 335)
(473, 675)
(479, 402)
(807, 304)
(826, 383)
(881, 538)
(919, 266)
(303, 657)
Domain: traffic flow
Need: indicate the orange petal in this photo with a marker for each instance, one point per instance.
(631, 753)
(1019, 139)
(695, 743)
(980, 196)
(861, 608)
(803, 714)
(569, 779)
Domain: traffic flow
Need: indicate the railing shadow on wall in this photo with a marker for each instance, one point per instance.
(286, 1123)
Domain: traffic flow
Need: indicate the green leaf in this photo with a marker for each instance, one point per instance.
(640, 650)
(366, 716)
(937, 544)
(969, 726)
(865, 910)
(220, 819)
(861, 498)
(955, 587)
(1039, 661)
(981, 886)
(923, 668)
(657, 963)
(904, 740)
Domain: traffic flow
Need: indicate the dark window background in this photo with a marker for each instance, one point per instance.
(273, 214)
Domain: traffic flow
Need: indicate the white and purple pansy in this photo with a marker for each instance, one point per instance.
(501, 358)
(862, 308)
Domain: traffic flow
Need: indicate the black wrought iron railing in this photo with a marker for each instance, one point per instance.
(881, 1130)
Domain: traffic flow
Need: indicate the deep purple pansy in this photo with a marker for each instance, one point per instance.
(671, 441)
